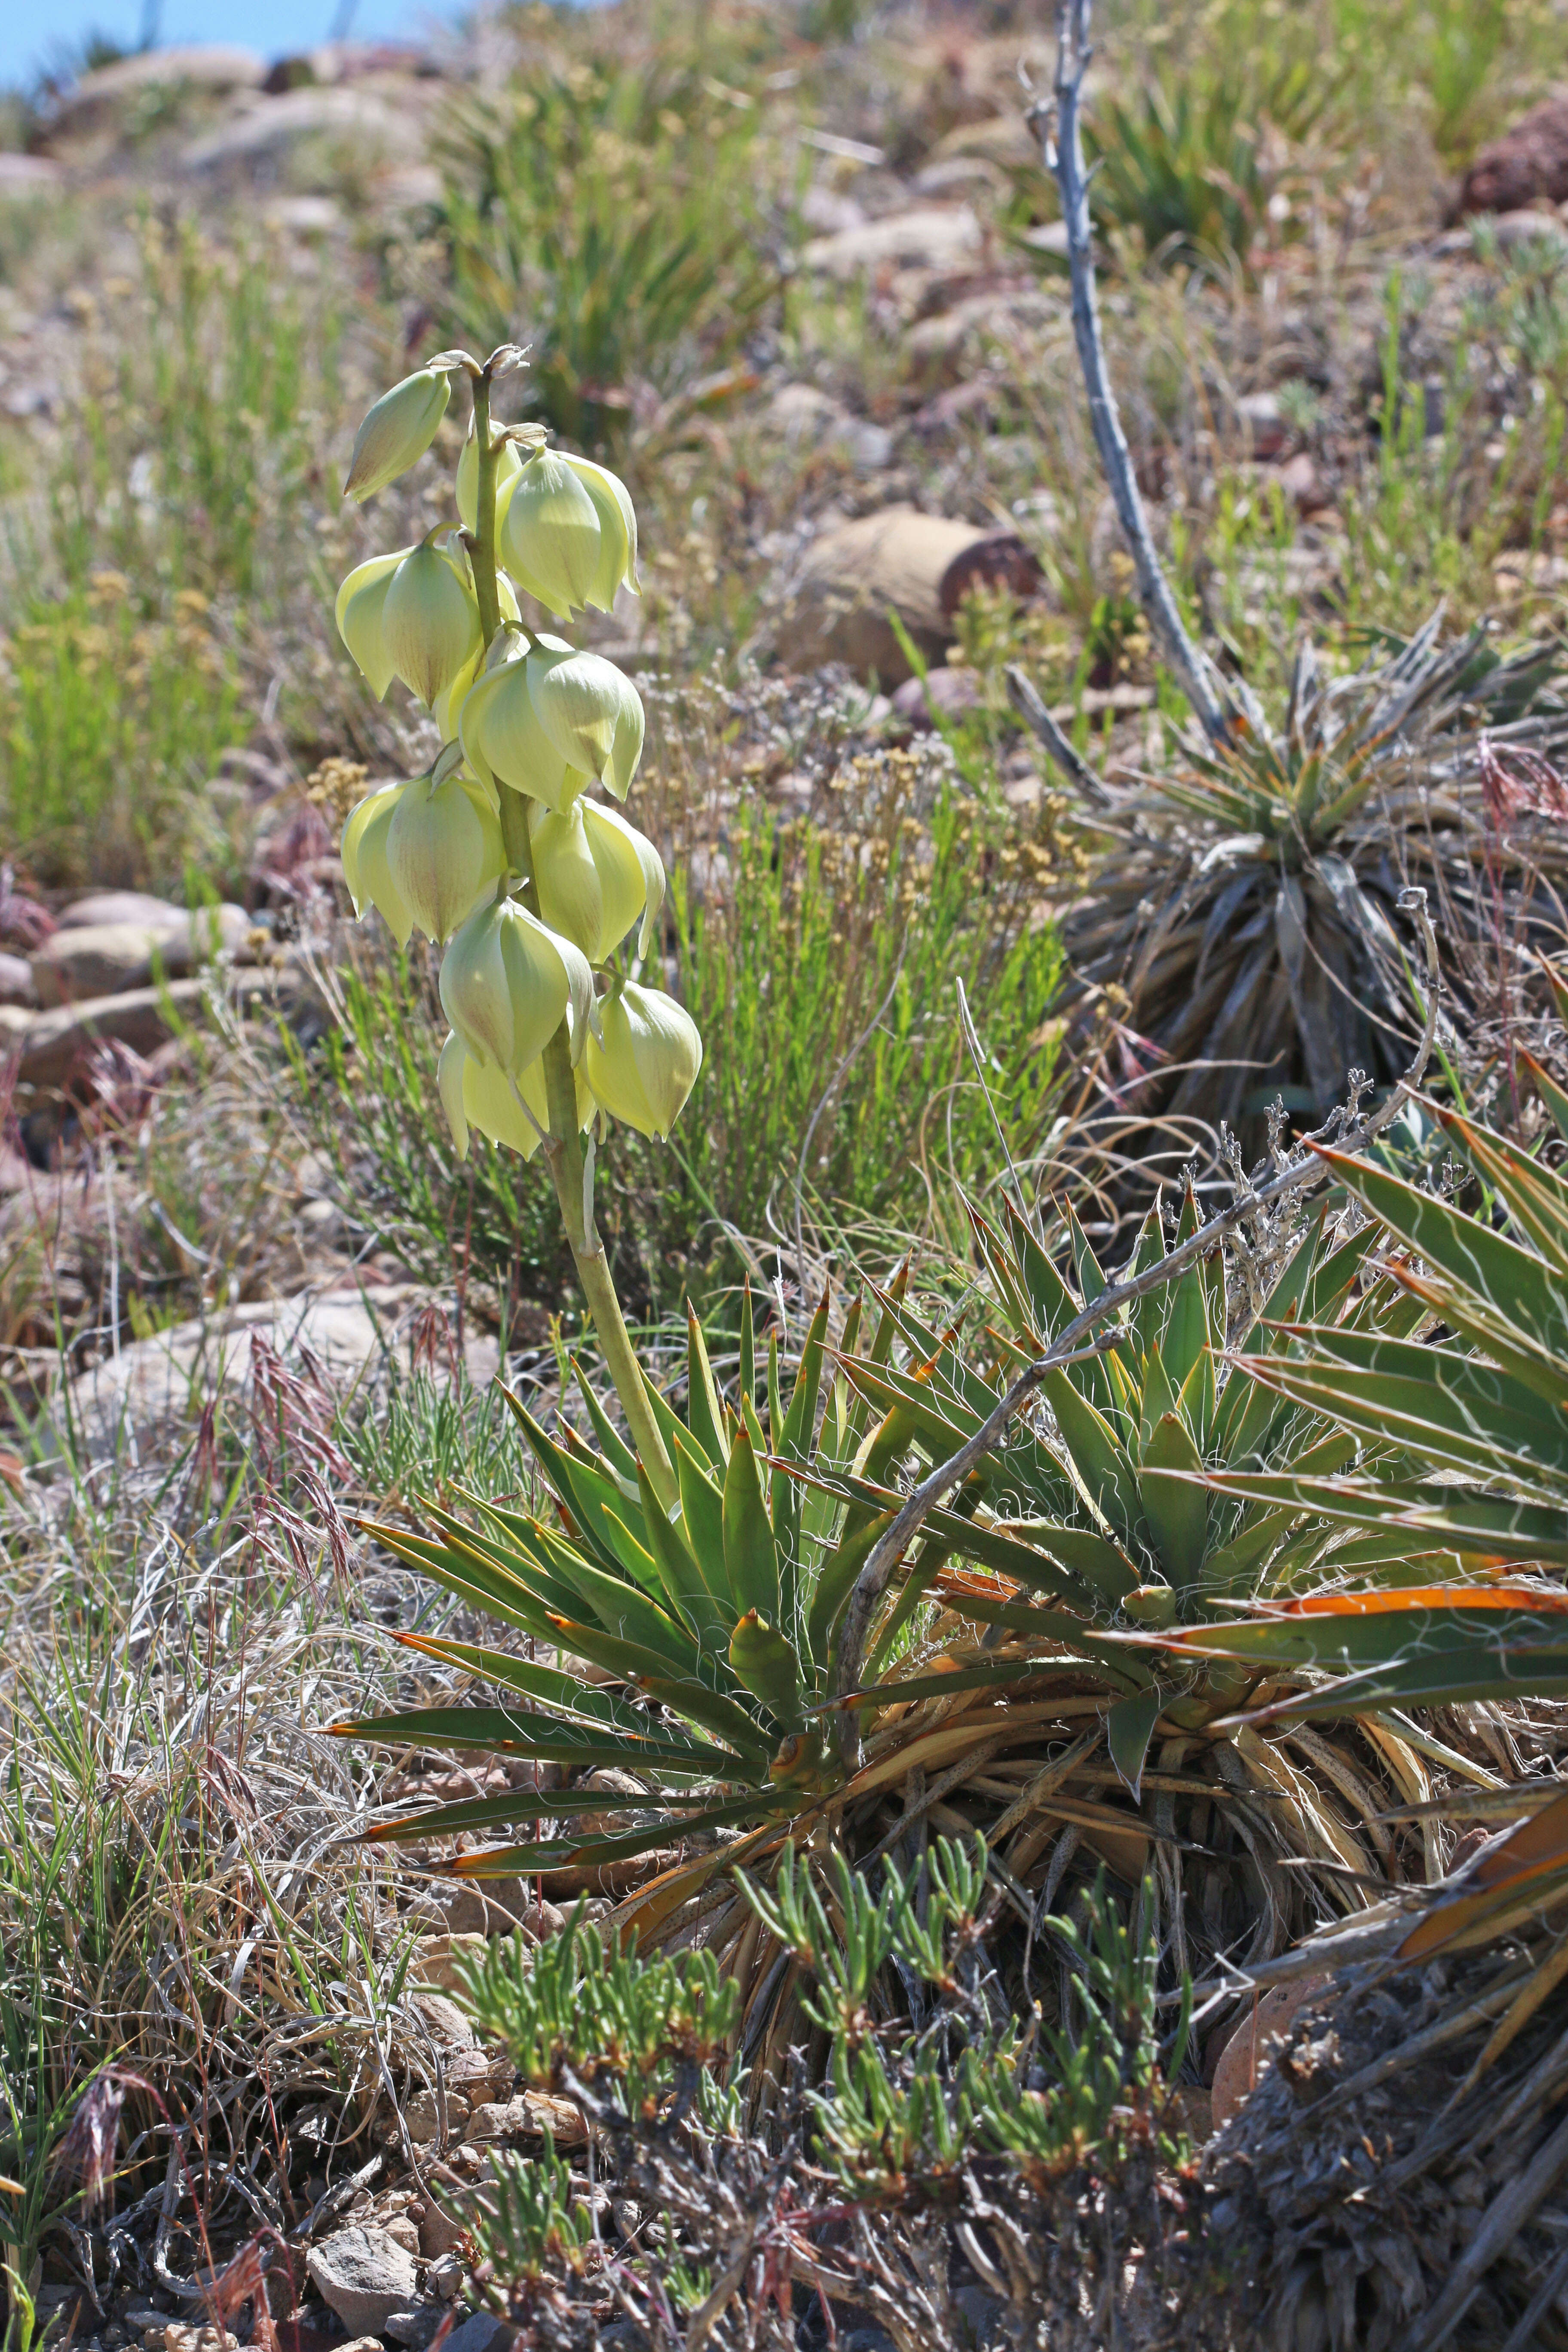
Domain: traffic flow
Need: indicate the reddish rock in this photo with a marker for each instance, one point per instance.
(1528, 161)
(998, 559)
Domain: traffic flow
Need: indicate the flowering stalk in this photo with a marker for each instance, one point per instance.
(501, 852)
(563, 1147)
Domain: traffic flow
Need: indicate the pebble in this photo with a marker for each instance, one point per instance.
(416, 2327)
(364, 2275)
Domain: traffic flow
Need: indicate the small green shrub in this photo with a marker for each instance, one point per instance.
(111, 718)
(610, 219)
(826, 981)
(191, 462)
(896, 2118)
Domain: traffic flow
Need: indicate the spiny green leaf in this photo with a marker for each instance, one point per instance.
(1177, 1511)
(703, 1409)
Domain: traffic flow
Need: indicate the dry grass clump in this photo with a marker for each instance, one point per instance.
(182, 1899)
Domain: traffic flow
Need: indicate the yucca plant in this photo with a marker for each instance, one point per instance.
(1240, 928)
(1190, 166)
(1248, 911)
(615, 210)
(695, 1648)
(698, 1648)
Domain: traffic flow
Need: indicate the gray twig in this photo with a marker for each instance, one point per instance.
(1063, 156)
(1027, 702)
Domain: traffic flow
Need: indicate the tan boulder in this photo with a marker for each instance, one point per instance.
(106, 959)
(918, 565)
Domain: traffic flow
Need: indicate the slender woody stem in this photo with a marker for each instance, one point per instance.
(1064, 158)
(563, 1144)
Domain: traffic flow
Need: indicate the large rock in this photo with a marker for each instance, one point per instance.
(271, 129)
(477, 2333)
(1516, 231)
(17, 981)
(168, 1378)
(364, 2275)
(99, 97)
(528, 2117)
(104, 958)
(932, 236)
(942, 348)
(918, 565)
(121, 907)
(1529, 161)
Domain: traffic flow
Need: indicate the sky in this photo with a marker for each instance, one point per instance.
(31, 31)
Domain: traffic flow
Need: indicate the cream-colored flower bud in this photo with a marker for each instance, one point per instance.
(507, 983)
(430, 620)
(569, 532)
(566, 877)
(361, 601)
(477, 1096)
(647, 1062)
(595, 875)
(508, 465)
(445, 851)
(449, 1086)
(503, 740)
(447, 710)
(631, 876)
(590, 711)
(397, 430)
(366, 870)
(618, 531)
(550, 533)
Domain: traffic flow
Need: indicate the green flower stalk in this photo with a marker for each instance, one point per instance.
(543, 897)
